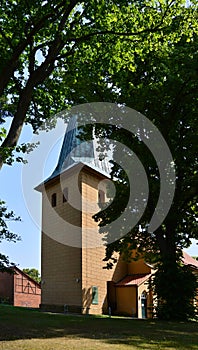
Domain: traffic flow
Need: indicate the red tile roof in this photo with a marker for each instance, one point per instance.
(188, 260)
(133, 280)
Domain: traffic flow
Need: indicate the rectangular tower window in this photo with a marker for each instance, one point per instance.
(65, 195)
(53, 200)
(94, 295)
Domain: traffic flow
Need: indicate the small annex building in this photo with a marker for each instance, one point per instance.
(72, 250)
(19, 289)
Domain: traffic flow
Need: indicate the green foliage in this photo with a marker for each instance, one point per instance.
(55, 54)
(177, 281)
(5, 216)
(5, 233)
(33, 273)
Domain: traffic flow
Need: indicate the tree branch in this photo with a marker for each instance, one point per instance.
(13, 62)
(111, 32)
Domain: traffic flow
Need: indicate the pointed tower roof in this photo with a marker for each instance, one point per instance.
(75, 151)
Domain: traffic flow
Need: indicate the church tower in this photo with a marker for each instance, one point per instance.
(72, 264)
(72, 253)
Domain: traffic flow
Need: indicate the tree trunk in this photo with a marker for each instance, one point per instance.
(174, 295)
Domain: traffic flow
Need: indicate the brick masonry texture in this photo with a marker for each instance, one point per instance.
(19, 290)
(69, 273)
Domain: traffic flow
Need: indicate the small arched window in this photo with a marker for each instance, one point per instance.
(53, 200)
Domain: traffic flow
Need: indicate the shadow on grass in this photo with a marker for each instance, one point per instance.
(20, 323)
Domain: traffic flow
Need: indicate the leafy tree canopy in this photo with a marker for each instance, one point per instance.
(33, 273)
(47, 46)
(5, 233)
(154, 72)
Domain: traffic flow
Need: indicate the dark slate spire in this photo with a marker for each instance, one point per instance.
(75, 151)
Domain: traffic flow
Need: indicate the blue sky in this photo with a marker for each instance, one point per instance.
(20, 196)
(17, 184)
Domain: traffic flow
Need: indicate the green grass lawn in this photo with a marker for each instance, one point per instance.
(25, 329)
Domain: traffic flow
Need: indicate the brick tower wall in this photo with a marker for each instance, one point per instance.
(61, 257)
(93, 252)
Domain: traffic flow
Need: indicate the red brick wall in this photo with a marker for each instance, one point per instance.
(27, 300)
(6, 287)
(26, 292)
